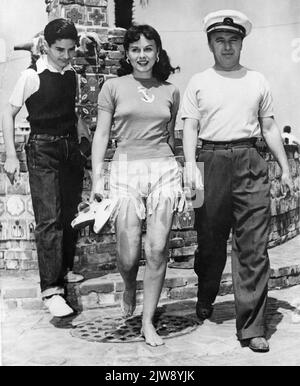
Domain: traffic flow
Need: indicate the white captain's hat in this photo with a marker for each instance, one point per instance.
(227, 20)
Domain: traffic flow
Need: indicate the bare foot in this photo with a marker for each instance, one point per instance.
(128, 302)
(151, 337)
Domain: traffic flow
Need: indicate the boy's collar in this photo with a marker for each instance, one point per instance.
(43, 64)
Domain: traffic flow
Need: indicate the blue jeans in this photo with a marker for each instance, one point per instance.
(55, 167)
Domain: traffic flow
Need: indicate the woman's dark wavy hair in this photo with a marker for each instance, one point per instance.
(161, 69)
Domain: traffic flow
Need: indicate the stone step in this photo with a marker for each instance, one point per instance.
(106, 290)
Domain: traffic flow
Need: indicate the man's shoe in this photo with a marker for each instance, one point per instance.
(259, 344)
(296, 315)
(57, 306)
(203, 312)
(72, 277)
(296, 311)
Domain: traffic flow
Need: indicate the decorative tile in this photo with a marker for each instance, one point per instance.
(96, 16)
(90, 86)
(15, 206)
(89, 114)
(75, 13)
(17, 229)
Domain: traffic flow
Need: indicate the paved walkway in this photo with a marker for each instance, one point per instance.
(32, 338)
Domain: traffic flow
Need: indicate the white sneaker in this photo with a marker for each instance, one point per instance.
(72, 277)
(57, 306)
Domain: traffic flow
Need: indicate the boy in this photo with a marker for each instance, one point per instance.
(55, 163)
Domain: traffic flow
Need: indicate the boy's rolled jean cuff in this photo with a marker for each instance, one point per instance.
(52, 291)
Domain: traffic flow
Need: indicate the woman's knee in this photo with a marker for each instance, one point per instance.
(128, 265)
(156, 253)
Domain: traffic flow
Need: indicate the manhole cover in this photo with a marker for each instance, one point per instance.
(118, 330)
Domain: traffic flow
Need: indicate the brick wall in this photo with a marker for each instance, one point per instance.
(97, 252)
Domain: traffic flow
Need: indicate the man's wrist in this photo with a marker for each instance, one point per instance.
(190, 161)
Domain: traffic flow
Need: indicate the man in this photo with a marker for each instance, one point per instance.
(55, 163)
(228, 106)
(288, 138)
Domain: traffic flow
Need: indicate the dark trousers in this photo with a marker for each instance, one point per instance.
(236, 196)
(55, 169)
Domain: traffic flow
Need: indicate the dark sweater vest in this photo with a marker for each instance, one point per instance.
(52, 107)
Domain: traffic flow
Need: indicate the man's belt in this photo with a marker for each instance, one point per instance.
(224, 145)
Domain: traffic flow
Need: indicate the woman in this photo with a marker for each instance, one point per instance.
(144, 176)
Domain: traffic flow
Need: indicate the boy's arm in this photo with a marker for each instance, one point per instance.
(12, 165)
(84, 137)
(82, 129)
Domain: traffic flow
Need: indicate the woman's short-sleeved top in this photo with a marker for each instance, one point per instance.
(141, 110)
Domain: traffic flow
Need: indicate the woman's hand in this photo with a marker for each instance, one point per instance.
(97, 191)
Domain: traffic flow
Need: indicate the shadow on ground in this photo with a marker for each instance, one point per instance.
(65, 322)
(226, 311)
(170, 320)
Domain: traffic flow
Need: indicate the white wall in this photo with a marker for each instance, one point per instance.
(276, 26)
(20, 20)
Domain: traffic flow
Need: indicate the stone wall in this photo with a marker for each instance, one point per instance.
(285, 210)
(96, 60)
(97, 252)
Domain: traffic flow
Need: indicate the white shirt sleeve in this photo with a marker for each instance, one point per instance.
(190, 108)
(27, 84)
(266, 103)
